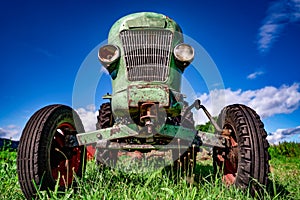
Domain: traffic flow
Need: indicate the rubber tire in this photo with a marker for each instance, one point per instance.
(33, 156)
(252, 146)
(105, 157)
(105, 118)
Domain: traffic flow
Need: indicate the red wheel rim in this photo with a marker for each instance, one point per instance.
(228, 160)
(65, 162)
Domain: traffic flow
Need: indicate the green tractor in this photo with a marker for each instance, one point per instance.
(146, 113)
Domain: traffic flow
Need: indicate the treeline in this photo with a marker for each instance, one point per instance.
(7, 144)
(287, 149)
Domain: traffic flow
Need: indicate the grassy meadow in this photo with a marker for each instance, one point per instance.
(117, 184)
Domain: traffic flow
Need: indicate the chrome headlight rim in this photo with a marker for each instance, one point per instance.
(108, 54)
(184, 53)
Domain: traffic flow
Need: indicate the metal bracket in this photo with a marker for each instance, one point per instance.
(102, 143)
(115, 132)
(197, 105)
(212, 140)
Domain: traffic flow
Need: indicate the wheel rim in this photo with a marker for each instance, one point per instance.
(65, 161)
(227, 159)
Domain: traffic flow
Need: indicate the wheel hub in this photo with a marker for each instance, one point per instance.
(227, 158)
(65, 160)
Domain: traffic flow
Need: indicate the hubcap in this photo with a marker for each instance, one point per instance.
(65, 161)
(227, 159)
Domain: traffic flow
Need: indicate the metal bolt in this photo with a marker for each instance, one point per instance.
(223, 141)
(99, 136)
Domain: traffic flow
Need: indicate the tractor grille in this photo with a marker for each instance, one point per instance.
(147, 54)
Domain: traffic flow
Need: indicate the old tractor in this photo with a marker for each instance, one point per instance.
(146, 113)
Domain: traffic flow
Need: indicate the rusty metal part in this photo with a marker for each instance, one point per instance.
(233, 156)
(148, 112)
(228, 157)
(226, 132)
(138, 146)
(130, 147)
(148, 93)
(212, 140)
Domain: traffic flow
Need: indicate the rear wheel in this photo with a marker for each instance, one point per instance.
(104, 156)
(48, 152)
(105, 118)
(246, 156)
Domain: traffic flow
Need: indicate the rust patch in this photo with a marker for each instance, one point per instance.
(114, 131)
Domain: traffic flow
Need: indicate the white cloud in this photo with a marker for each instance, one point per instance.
(88, 116)
(266, 101)
(283, 135)
(254, 75)
(10, 132)
(279, 14)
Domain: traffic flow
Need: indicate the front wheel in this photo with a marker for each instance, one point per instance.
(246, 156)
(48, 152)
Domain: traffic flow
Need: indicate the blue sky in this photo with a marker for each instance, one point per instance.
(255, 46)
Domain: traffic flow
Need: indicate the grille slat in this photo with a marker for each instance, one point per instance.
(147, 54)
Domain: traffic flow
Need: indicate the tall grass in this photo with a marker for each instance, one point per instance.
(116, 184)
(100, 183)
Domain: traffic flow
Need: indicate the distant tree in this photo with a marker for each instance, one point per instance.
(7, 144)
(286, 149)
(207, 127)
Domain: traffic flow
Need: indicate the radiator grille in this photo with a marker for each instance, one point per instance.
(147, 54)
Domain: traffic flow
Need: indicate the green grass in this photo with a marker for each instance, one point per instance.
(286, 176)
(9, 188)
(117, 184)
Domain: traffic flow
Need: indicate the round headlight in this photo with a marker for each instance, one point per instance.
(108, 54)
(184, 53)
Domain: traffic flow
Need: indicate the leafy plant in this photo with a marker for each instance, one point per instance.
(286, 149)
(207, 127)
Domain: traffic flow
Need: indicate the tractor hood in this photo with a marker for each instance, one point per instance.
(143, 20)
